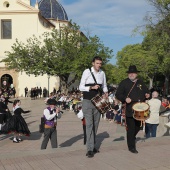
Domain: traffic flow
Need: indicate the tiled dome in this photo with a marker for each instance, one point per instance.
(51, 9)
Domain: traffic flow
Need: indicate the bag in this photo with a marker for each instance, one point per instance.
(41, 126)
(80, 114)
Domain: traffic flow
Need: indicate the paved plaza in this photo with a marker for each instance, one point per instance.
(154, 154)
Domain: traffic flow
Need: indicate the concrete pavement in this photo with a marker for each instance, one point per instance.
(153, 153)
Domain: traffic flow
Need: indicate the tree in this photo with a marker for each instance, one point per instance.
(157, 36)
(109, 71)
(135, 55)
(59, 53)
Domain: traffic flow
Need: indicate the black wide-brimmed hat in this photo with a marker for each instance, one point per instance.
(132, 69)
(51, 102)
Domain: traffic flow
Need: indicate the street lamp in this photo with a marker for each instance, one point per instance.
(48, 75)
(155, 73)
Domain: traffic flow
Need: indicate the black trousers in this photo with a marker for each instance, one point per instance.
(133, 127)
(2, 118)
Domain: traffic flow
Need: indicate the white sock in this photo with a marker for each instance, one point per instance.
(0, 126)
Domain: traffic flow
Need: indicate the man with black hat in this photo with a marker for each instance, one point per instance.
(130, 91)
(51, 114)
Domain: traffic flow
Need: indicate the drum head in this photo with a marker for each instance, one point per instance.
(140, 107)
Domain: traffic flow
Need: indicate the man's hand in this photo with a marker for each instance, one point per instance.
(115, 112)
(57, 110)
(94, 87)
(105, 95)
(128, 100)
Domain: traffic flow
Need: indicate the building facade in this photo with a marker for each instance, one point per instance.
(19, 20)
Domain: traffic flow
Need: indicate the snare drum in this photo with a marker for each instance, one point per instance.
(101, 104)
(141, 111)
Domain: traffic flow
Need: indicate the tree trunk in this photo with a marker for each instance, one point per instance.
(63, 86)
(166, 85)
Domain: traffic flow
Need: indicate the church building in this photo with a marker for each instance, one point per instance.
(19, 20)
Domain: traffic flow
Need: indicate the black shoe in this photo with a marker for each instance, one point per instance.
(19, 140)
(90, 154)
(95, 150)
(133, 150)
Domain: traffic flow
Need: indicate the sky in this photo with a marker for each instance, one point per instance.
(113, 21)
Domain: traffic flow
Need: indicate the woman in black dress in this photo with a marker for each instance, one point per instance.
(16, 124)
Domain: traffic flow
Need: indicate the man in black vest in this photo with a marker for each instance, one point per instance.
(90, 90)
(130, 91)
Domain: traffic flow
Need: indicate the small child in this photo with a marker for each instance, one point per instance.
(110, 115)
(117, 111)
(16, 124)
(51, 114)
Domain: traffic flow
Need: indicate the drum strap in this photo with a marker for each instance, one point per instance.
(124, 108)
(132, 88)
(100, 89)
(129, 93)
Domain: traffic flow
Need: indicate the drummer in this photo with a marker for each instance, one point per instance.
(90, 89)
(130, 91)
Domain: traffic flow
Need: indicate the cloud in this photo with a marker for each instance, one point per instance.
(114, 17)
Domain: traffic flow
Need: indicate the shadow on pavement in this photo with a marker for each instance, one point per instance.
(140, 139)
(3, 137)
(72, 140)
(34, 136)
(100, 138)
(167, 132)
(119, 139)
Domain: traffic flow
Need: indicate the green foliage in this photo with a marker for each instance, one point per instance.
(59, 53)
(135, 55)
(110, 74)
(157, 43)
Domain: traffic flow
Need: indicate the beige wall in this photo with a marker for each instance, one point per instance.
(40, 81)
(25, 23)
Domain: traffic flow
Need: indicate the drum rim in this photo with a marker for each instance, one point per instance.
(142, 119)
(140, 102)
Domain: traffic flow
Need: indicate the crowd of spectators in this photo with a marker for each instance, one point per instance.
(73, 102)
(67, 101)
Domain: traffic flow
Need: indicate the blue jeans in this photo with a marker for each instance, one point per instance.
(150, 130)
(118, 117)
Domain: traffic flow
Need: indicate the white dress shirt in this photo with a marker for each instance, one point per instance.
(49, 116)
(87, 78)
